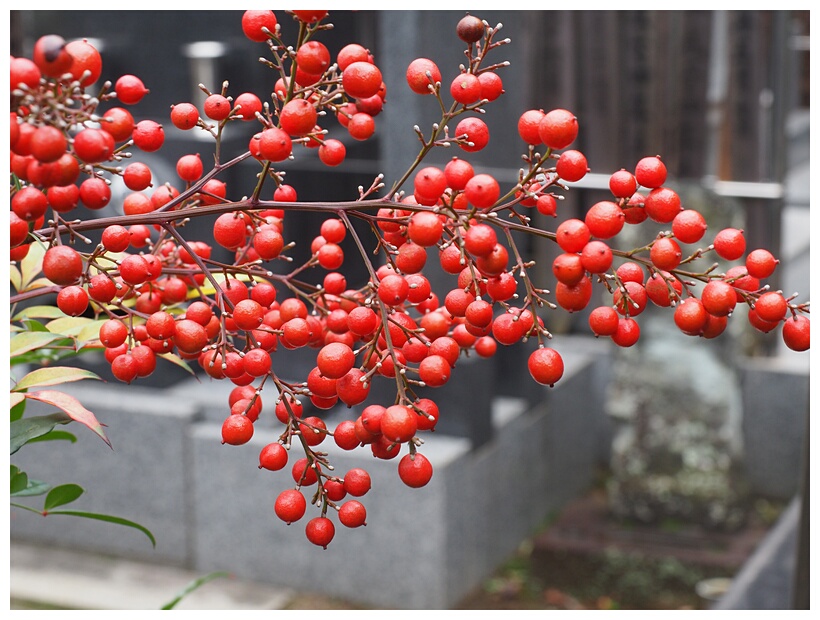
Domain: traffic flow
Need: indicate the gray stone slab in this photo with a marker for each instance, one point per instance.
(143, 478)
(775, 394)
(766, 581)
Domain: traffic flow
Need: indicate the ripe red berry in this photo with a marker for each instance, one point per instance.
(290, 505)
(352, 514)
(718, 298)
(797, 333)
(689, 226)
(662, 205)
(247, 105)
(361, 79)
(482, 190)
(572, 166)
(771, 306)
(72, 300)
(417, 75)
(86, 64)
(48, 144)
(189, 167)
(425, 228)
(628, 332)
(398, 423)
(528, 124)
(572, 235)
(130, 89)
(62, 264)
(237, 430)
(546, 366)
(332, 152)
(217, 107)
(761, 263)
(29, 203)
(665, 253)
(690, 316)
(650, 172)
(604, 219)
(320, 531)
(730, 244)
(475, 133)
(558, 129)
(465, 88)
(148, 136)
(357, 482)
(622, 184)
(603, 321)
(415, 470)
(254, 21)
(274, 144)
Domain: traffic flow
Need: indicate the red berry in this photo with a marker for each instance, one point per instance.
(628, 332)
(797, 333)
(357, 482)
(237, 430)
(603, 321)
(604, 219)
(417, 75)
(130, 89)
(730, 244)
(688, 226)
(572, 166)
(415, 470)
(558, 129)
(622, 184)
(352, 514)
(290, 506)
(465, 88)
(72, 300)
(86, 64)
(482, 190)
(320, 531)
(62, 264)
(718, 298)
(254, 21)
(528, 124)
(546, 366)
(650, 172)
(761, 263)
(662, 205)
(474, 131)
(148, 136)
(361, 79)
(771, 306)
(572, 235)
(398, 423)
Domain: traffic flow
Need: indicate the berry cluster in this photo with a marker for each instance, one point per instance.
(157, 294)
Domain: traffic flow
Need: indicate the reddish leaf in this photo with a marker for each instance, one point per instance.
(72, 407)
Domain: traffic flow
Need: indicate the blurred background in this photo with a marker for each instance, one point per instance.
(678, 451)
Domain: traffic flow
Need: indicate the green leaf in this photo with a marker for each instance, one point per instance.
(35, 487)
(38, 312)
(15, 277)
(17, 405)
(53, 375)
(31, 265)
(18, 480)
(68, 325)
(29, 341)
(175, 359)
(89, 333)
(55, 435)
(72, 407)
(38, 283)
(25, 429)
(33, 326)
(62, 495)
(107, 519)
(196, 583)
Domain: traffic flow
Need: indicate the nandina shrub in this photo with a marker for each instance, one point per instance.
(149, 291)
